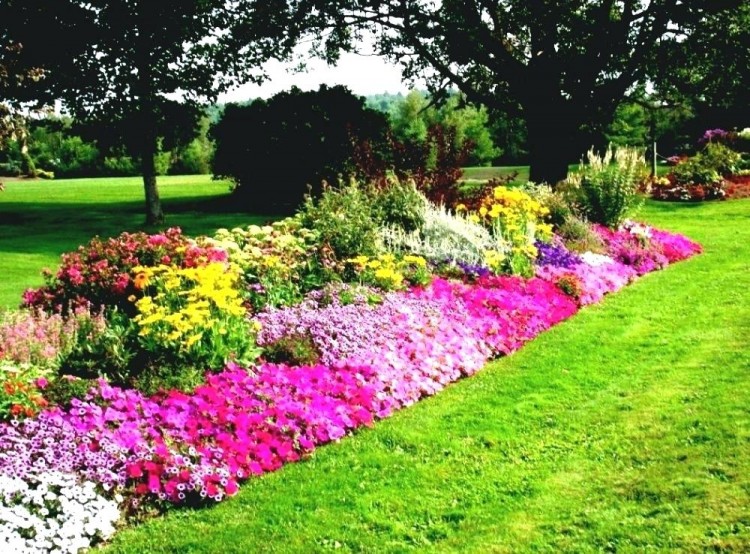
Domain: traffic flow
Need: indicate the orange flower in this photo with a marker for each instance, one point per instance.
(141, 281)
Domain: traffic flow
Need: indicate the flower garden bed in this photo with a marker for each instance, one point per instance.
(718, 171)
(333, 357)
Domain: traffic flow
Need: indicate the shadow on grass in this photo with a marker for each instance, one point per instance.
(54, 227)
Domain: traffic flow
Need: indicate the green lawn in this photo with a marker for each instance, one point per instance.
(39, 220)
(625, 429)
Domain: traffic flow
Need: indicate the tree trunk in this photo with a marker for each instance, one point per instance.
(154, 213)
(552, 137)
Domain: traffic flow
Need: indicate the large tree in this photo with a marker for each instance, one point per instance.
(132, 58)
(567, 64)
(707, 68)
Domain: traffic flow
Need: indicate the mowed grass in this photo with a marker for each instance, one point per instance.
(39, 220)
(624, 429)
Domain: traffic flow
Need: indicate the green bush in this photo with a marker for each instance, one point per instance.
(605, 189)
(193, 159)
(708, 166)
(344, 220)
(120, 166)
(109, 351)
(721, 158)
(10, 169)
(399, 204)
(62, 390)
(274, 150)
(75, 158)
(694, 172)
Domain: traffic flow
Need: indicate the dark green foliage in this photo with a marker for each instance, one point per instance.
(292, 350)
(27, 165)
(10, 160)
(108, 352)
(274, 149)
(62, 390)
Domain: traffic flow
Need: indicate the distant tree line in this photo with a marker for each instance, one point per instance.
(257, 137)
(55, 146)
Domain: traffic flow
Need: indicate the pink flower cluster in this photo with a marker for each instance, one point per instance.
(594, 280)
(637, 251)
(38, 338)
(630, 254)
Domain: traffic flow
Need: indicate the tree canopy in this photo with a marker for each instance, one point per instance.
(131, 60)
(566, 64)
(277, 149)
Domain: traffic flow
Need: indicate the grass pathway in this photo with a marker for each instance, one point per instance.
(624, 429)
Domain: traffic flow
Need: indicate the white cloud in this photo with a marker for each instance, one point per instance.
(364, 75)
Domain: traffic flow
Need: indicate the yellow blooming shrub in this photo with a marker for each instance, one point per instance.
(388, 272)
(517, 220)
(195, 315)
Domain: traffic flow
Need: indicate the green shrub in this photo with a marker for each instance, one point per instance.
(275, 149)
(193, 159)
(120, 166)
(708, 166)
(400, 204)
(721, 158)
(344, 220)
(62, 390)
(10, 169)
(606, 188)
(103, 351)
(75, 158)
(694, 172)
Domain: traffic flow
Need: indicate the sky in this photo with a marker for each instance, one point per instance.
(364, 75)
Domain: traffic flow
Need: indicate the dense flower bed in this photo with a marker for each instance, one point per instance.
(343, 357)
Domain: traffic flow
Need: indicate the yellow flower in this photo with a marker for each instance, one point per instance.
(359, 260)
(416, 260)
(461, 208)
(193, 339)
